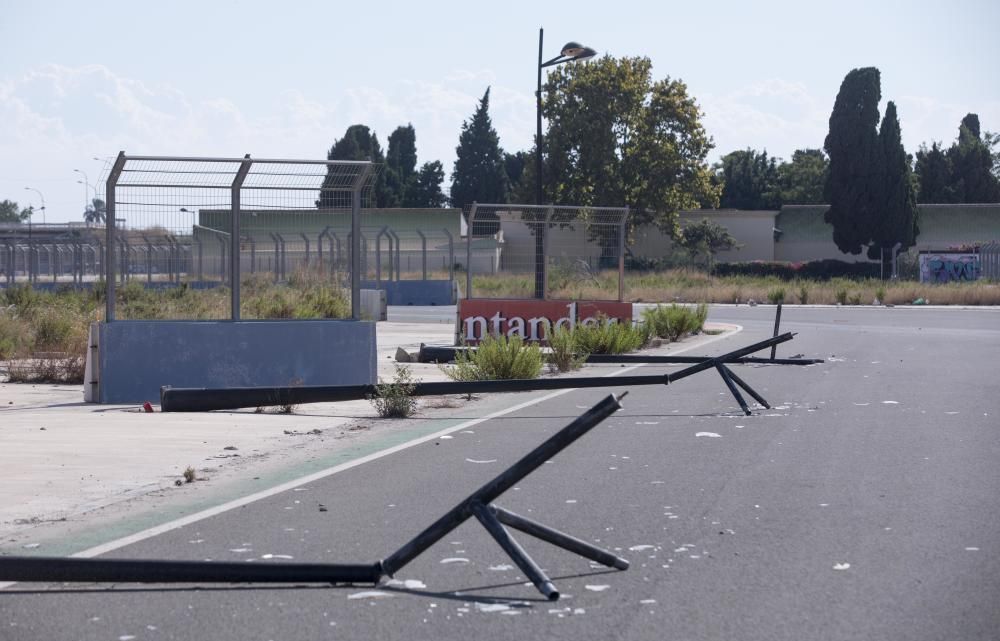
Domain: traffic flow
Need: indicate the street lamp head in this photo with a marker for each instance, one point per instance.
(576, 51)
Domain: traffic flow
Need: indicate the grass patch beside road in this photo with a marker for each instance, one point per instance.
(694, 286)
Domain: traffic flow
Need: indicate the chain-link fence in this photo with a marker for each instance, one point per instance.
(60, 254)
(236, 222)
(545, 251)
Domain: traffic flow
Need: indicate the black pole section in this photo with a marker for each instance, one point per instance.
(13, 568)
(680, 360)
(724, 373)
(503, 482)
(559, 539)
(749, 390)
(446, 354)
(777, 323)
(515, 551)
(178, 399)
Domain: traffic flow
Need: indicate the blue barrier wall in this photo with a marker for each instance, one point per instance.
(414, 292)
(137, 357)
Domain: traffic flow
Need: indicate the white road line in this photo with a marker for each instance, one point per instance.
(284, 487)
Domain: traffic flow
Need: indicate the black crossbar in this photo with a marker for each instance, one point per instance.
(178, 399)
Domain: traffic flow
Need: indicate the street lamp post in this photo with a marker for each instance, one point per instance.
(86, 188)
(42, 198)
(571, 52)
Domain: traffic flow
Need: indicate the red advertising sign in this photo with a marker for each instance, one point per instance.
(530, 319)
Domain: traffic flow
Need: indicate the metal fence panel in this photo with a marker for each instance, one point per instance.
(545, 251)
(231, 222)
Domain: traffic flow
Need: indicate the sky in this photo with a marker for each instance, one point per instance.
(85, 80)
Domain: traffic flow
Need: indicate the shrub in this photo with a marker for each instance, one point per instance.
(841, 296)
(394, 400)
(497, 358)
(803, 294)
(565, 354)
(812, 270)
(673, 322)
(776, 296)
(855, 299)
(14, 336)
(603, 337)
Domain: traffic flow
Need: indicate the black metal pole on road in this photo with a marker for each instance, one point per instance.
(178, 399)
(476, 505)
(503, 482)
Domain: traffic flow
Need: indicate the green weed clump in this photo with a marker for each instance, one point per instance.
(603, 337)
(676, 321)
(395, 400)
(776, 296)
(564, 353)
(497, 358)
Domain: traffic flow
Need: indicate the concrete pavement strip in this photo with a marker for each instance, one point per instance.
(74, 471)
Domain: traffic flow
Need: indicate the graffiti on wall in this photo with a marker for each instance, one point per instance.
(947, 267)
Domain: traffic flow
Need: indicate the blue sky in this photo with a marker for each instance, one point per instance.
(225, 78)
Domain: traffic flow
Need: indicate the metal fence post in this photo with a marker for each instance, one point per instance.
(468, 251)
(234, 238)
(622, 230)
(109, 228)
(423, 254)
(356, 242)
(451, 254)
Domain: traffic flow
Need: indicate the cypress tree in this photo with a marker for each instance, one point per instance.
(972, 164)
(854, 184)
(359, 143)
(401, 166)
(897, 220)
(934, 173)
(479, 175)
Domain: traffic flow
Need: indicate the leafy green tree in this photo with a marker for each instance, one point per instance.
(10, 212)
(801, 181)
(479, 174)
(934, 175)
(401, 166)
(705, 238)
(426, 190)
(897, 220)
(750, 180)
(95, 213)
(972, 163)
(358, 143)
(616, 137)
(514, 165)
(854, 186)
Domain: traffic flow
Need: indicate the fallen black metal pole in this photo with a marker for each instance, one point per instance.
(503, 482)
(446, 354)
(177, 399)
(13, 568)
(678, 360)
(70, 569)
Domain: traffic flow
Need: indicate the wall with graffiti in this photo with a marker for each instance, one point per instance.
(947, 267)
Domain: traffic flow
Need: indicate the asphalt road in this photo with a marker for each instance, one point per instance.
(863, 505)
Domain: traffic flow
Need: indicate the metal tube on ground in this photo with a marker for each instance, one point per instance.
(176, 399)
(724, 373)
(515, 551)
(559, 539)
(14, 568)
(501, 483)
(749, 390)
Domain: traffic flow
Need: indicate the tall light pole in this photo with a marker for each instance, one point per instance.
(86, 187)
(571, 52)
(42, 198)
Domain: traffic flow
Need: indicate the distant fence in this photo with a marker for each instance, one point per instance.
(554, 249)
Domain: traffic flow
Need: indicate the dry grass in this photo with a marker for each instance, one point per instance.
(693, 286)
